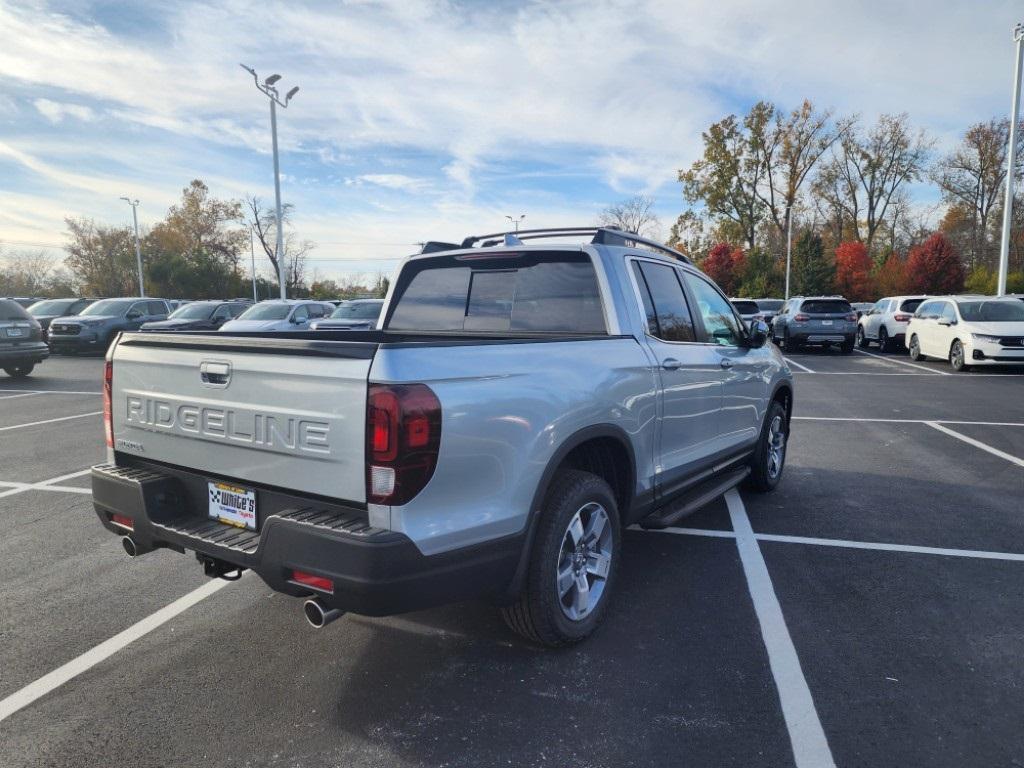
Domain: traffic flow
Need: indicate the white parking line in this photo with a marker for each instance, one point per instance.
(23, 394)
(51, 421)
(810, 747)
(976, 443)
(910, 421)
(803, 368)
(904, 362)
(46, 485)
(33, 691)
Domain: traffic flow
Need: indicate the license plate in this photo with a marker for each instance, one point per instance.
(826, 322)
(233, 505)
(15, 331)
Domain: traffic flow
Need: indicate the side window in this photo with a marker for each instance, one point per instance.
(157, 308)
(948, 313)
(223, 312)
(234, 310)
(882, 306)
(645, 296)
(671, 315)
(301, 314)
(929, 310)
(138, 308)
(719, 319)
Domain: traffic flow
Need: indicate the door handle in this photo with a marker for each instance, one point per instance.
(725, 362)
(670, 364)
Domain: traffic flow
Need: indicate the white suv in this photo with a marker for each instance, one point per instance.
(968, 331)
(886, 322)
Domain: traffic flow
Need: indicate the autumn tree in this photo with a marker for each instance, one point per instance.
(101, 258)
(813, 273)
(263, 221)
(891, 276)
(635, 214)
(934, 267)
(724, 265)
(869, 170)
(853, 272)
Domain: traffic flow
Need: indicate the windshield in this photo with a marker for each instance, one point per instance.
(192, 312)
(746, 307)
(108, 307)
(770, 305)
(363, 310)
(268, 311)
(12, 310)
(992, 311)
(51, 307)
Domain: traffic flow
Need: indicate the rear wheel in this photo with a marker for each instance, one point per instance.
(914, 347)
(769, 457)
(883, 339)
(573, 562)
(956, 357)
(19, 371)
(846, 347)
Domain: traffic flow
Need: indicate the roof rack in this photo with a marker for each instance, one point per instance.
(601, 236)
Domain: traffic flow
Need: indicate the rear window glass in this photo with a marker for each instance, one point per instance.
(910, 305)
(770, 305)
(746, 307)
(826, 307)
(531, 292)
(12, 310)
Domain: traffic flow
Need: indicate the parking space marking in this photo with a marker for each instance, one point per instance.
(53, 680)
(810, 747)
(22, 394)
(51, 421)
(911, 421)
(47, 485)
(976, 443)
(903, 362)
(803, 368)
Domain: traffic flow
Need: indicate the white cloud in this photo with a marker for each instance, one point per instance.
(55, 111)
(396, 181)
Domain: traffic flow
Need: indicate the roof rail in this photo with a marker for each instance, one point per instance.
(601, 236)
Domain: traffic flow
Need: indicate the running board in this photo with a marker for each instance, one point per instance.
(695, 499)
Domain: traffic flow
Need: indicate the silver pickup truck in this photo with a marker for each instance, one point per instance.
(517, 406)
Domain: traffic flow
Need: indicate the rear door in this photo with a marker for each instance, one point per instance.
(276, 412)
(689, 373)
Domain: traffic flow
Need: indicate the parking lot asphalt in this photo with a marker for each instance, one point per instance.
(866, 613)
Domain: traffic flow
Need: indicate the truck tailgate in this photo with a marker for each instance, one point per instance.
(277, 412)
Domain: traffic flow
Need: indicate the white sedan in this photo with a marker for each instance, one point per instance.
(968, 331)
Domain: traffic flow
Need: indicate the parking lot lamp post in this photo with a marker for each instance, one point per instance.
(1011, 162)
(268, 88)
(138, 251)
(252, 256)
(789, 247)
(516, 221)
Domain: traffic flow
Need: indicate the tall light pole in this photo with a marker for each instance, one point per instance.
(252, 255)
(1011, 162)
(789, 246)
(267, 87)
(515, 220)
(138, 251)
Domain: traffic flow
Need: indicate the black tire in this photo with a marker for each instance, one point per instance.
(914, 348)
(956, 357)
(883, 340)
(846, 347)
(788, 345)
(538, 614)
(862, 340)
(763, 477)
(19, 371)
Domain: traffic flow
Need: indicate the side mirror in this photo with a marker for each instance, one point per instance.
(758, 336)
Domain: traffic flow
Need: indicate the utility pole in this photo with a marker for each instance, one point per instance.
(267, 87)
(789, 246)
(138, 251)
(1011, 160)
(516, 220)
(252, 255)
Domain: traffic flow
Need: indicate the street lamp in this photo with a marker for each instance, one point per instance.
(789, 246)
(1011, 160)
(138, 251)
(516, 220)
(267, 87)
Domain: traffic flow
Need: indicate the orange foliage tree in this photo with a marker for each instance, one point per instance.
(724, 264)
(891, 277)
(853, 272)
(934, 267)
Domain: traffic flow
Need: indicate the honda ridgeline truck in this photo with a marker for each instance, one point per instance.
(517, 406)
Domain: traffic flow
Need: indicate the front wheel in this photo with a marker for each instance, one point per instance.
(862, 340)
(769, 457)
(915, 349)
(956, 357)
(573, 562)
(19, 371)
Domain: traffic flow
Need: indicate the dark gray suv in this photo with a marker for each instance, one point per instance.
(99, 323)
(21, 343)
(818, 320)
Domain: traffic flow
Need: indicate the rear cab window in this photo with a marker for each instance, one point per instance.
(527, 292)
(826, 307)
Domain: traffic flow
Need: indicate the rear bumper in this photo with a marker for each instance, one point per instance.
(822, 337)
(24, 353)
(375, 572)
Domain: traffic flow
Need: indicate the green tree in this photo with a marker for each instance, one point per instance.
(761, 275)
(101, 258)
(813, 273)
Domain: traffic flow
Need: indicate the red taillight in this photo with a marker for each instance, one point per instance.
(403, 437)
(801, 318)
(321, 583)
(902, 318)
(124, 522)
(852, 317)
(108, 411)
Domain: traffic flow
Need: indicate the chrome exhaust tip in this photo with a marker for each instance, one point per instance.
(318, 615)
(132, 548)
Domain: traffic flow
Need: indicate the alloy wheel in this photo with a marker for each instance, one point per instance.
(776, 446)
(584, 561)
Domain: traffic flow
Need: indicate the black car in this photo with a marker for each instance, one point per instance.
(48, 310)
(21, 340)
(352, 315)
(199, 316)
(98, 324)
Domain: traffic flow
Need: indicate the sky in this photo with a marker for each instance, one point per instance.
(432, 120)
